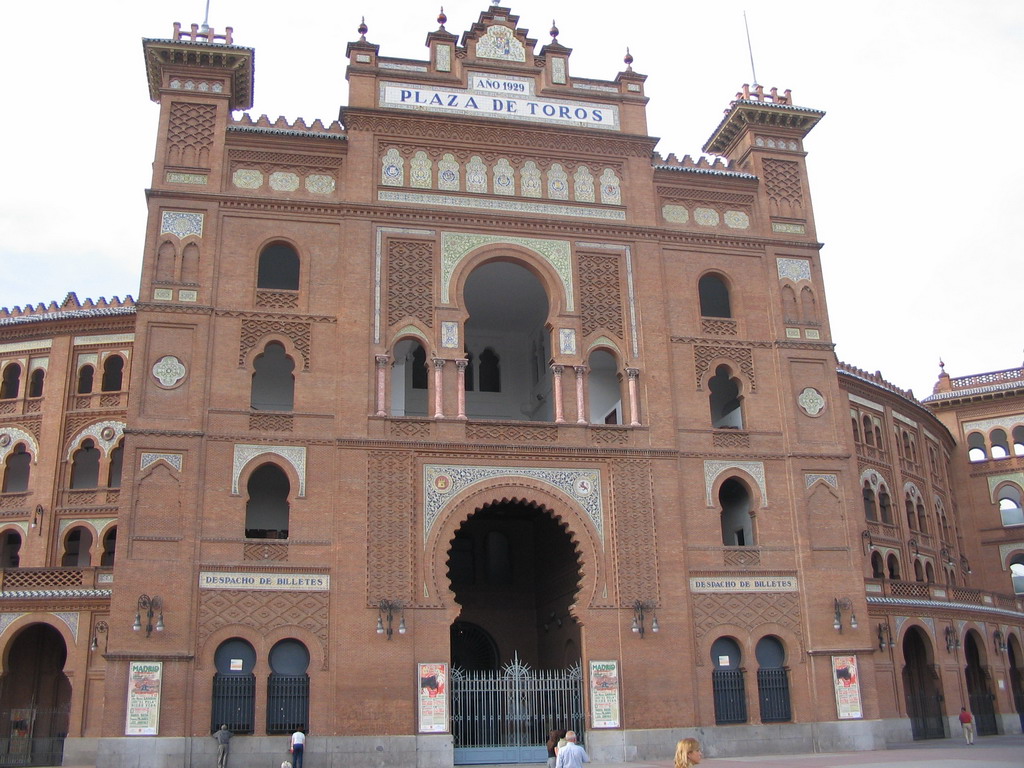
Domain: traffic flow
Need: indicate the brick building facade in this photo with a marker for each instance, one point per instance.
(474, 380)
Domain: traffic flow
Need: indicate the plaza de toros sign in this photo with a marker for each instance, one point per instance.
(507, 98)
(743, 584)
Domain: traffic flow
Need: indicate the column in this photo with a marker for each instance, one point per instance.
(438, 388)
(581, 411)
(556, 378)
(634, 412)
(460, 365)
(382, 372)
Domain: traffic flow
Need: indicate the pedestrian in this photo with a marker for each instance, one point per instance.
(967, 724)
(572, 755)
(688, 753)
(223, 736)
(297, 748)
(553, 737)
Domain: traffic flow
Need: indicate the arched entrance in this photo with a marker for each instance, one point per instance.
(922, 688)
(1013, 655)
(979, 692)
(35, 698)
(514, 572)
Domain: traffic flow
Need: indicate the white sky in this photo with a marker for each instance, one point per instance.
(914, 203)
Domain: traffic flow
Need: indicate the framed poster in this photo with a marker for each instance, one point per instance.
(143, 716)
(433, 700)
(604, 694)
(847, 685)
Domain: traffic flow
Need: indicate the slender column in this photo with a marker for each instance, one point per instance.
(581, 411)
(461, 366)
(556, 376)
(382, 371)
(438, 388)
(634, 413)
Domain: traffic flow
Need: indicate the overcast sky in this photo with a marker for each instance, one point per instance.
(915, 170)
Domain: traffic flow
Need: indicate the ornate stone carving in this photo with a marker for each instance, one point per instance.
(169, 371)
(254, 330)
(636, 558)
(793, 269)
(811, 401)
(600, 294)
(181, 224)
(293, 454)
(410, 281)
(712, 610)
(390, 526)
(714, 469)
(742, 356)
(190, 134)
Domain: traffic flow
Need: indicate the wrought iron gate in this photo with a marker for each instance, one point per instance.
(33, 736)
(504, 715)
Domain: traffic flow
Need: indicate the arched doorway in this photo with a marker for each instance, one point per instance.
(1016, 662)
(922, 688)
(35, 698)
(514, 572)
(979, 692)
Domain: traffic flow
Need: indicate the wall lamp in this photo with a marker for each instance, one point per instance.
(37, 519)
(386, 610)
(101, 629)
(867, 543)
(912, 543)
(998, 641)
(640, 607)
(840, 604)
(885, 637)
(151, 605)
(965, 566)
(952, 639)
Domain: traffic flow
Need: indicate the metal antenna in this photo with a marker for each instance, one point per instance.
(750, 48)
(206, 20)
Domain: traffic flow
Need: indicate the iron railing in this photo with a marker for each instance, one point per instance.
(730, 696)
(773, 694)
(234, 703)
(287, 703)
(33, 736)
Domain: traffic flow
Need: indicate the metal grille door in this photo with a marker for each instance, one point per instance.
(730, 696)
(503, 716)
(773, 693)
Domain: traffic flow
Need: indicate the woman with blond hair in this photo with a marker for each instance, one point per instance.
(688, 753)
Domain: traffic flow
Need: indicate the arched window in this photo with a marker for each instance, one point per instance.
(35, 382)
(470, 386)
(1000, 447)
(288, 688)
(1010, 508)
(273, 384)
(17, 469)
(929, 573)
(908, 504)
(490, 371)
(10, 383)
(790, 312)
(10, 549)
(808, 307)
(918, 571)
(772, 680)
(109, 548)
(884, 505)
(266, 511)
(727, 682)
(409, 379)
(868, 435)
(85, 374)
(85, 466)
(878, 434)
(419, 368)
(714, 297)
(892, 564)
(1017, 574)
(870, 511)
(234, 687)
(278, 268)
(77, 548)
(1018, 441)
(116, 462)
(725, 399)
(605, 395)
(737, 525)
(922, 516)
(855, 423)
(165, 258)
(976, 450)
(113, 374)
(877, 566)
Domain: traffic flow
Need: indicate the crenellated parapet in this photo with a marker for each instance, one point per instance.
(281, 126)
(71, 303)
(754, 108)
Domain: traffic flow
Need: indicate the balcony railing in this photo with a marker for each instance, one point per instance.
(19, 579)
(943, 593)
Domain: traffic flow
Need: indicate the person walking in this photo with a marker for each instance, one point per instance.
(298, 747)
(688, 753)
(554, 737)
(572, 755)
(223, 736)
(967, 724)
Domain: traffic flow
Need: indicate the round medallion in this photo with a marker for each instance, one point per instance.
(811, 401)
(583, 486)
(169, 370)
(107, 433)
(443, 484)
(5, 440)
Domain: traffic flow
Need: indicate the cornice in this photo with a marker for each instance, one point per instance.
(270, 314)
(719, 341)
(171, 308)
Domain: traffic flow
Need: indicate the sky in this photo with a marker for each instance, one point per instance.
(914, 200)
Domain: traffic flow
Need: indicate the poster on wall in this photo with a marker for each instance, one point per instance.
(433, 702)
(604, 694)
(847, 683)
(143, 718)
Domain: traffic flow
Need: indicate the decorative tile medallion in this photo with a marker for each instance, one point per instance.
(785, 228)
(105, 434)
(149, 459)
(174, 177)
(448, 173)
(169, 370)
(713, 469)
(293, 454)
(500, 43)
(611, 194)
(455, 246)
(392, 171)
(491, 204)
(504, 178)
(812, 333)
(737, 220)
(442, 483)
(675, 214)
(163, 294)
(583, 185)
(558, 70)
(444, 58)
(567, 341)
(247, 178)
(828, 478)
(188, 295)
(421, 171)
(558, 182)
(706, 217)
(181, 224)
(811, 401)
(320, 184)
(794, 269)
(12, 436)
(530, 184)
(792, 333)
(284, 181)
(450, 334)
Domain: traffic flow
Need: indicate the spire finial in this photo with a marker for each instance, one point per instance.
(628, 60)
(554, 32)
(942, 366)
(363, 29)
(441, 18)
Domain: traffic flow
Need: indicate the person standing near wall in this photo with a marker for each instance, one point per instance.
(298, 747)
(223, 736)
(688, 753)
(967, 724)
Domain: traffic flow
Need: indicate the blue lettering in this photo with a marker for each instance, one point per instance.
(548, 110)
(563, 112)
(406, 95)
(471, 103)
(436, 99)
(453, 100)
(510, 106)
(598, 117)
(581, 113)
(497, 105)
